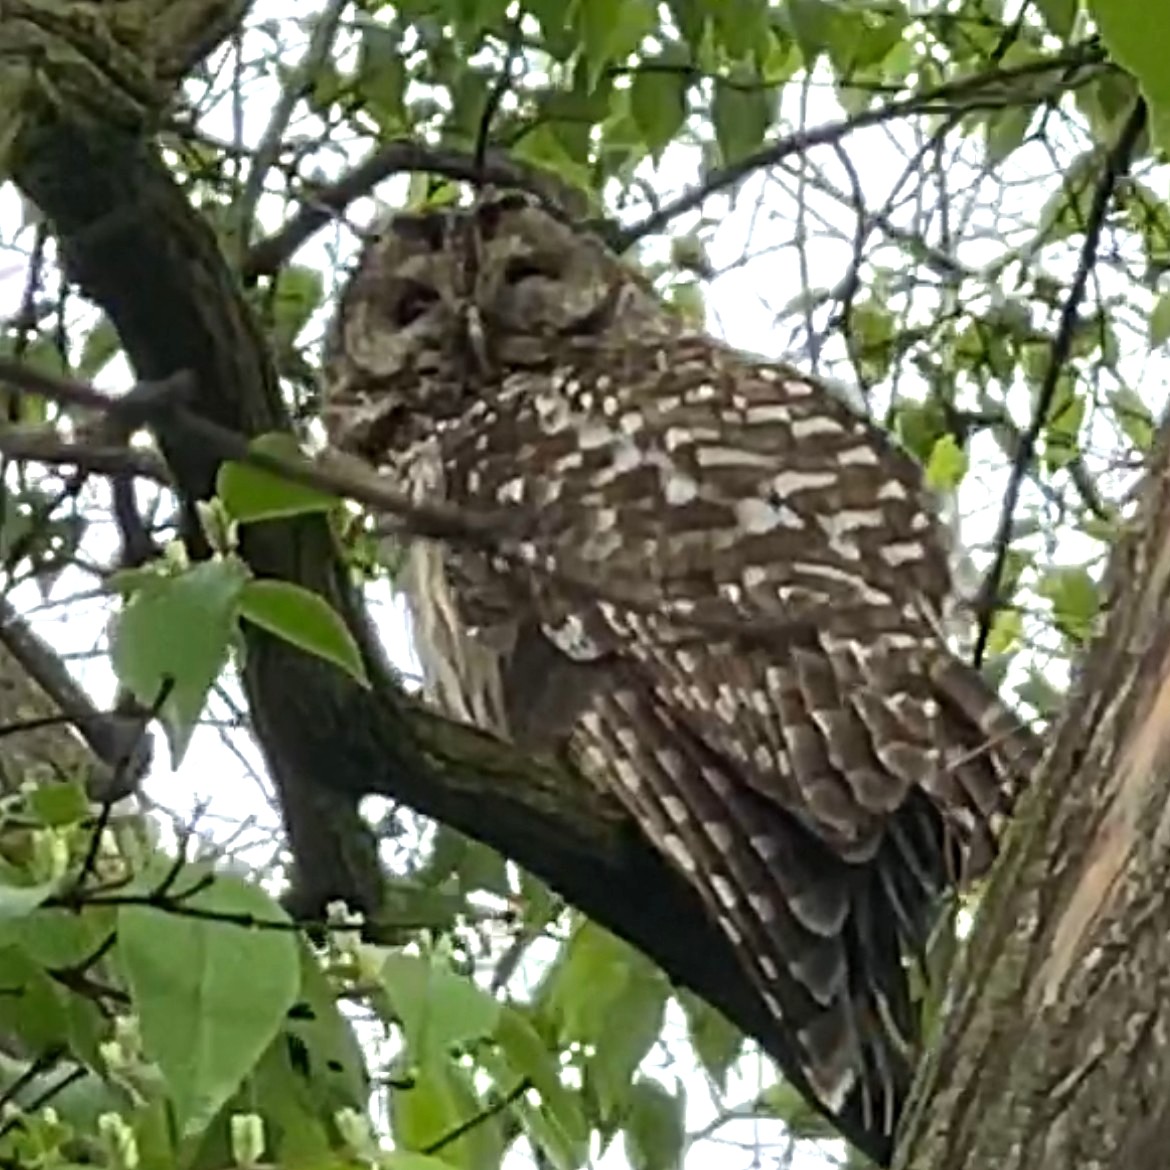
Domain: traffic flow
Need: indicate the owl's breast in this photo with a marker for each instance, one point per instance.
(496, 649)
(461, 627)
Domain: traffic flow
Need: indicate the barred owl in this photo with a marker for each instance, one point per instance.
(756, 667)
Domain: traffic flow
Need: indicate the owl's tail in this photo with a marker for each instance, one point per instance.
(823, 928)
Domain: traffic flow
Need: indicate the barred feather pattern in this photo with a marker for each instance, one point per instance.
(757, 670)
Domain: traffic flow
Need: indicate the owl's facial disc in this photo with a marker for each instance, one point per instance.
(451, 300)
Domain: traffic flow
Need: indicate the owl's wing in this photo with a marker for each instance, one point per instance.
(781, 714)
(737, 765)
(707, 501)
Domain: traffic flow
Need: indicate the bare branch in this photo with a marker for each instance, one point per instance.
(298, 83)
(1114, 166)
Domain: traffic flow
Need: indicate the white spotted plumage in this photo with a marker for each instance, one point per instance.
(771, 698)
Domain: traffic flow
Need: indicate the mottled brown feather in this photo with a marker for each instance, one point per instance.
(759, 674)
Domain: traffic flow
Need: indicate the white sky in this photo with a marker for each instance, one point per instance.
(743, 303)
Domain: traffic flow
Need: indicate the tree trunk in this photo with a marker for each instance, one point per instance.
(1054, 1053)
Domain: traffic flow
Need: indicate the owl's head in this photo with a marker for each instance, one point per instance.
(447, 302)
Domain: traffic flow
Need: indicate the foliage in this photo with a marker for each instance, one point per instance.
(172, 639)
(163, 1010)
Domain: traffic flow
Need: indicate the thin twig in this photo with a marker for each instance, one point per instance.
(1115, 165)
(298, 84)
(495, 97)
(27, 444)
(485, 1115)
(988, 90)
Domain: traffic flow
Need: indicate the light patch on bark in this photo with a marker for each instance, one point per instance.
(1142, 759)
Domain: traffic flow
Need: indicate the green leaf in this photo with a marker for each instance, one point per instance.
(558, 37)
(381, 77)
(293, 301)
(304, 618)
(781, 1100)
(59, 938)
(31, 1004)
(1105, 102)
(1006, 629)
(474, 16)
(611, 30)
(250, 493)
(469, 95)
(1005, 130)
(740, 26)
(1160, 322)
(716, 1041)
(871, 339)
(543, 147)
(296, 1115)
(17, 901)
(78, 1097)
(814, 24)
(741, 114)
(861, 35)
(686, 298)
(947, 464)
(655, 1135)
(326, 87)
(439, 1009)
(1133, 417)
(691, 16)
(1066, 210)
(1074, 598)
(312, 1069)
(538, 904)
(1038, 692)
(473, 865)
(919, 426)
(440, 1102)
(58, 803)
(1060, 15)
(178, 631)
(328, 1036)
(658, 105)
(607, 996)
(210, 995)
(1063, 426)
(1136, 34)
(100, 345)
(406, 1160)
(557, 1124)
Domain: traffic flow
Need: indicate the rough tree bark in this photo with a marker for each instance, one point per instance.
(1054, 1053)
